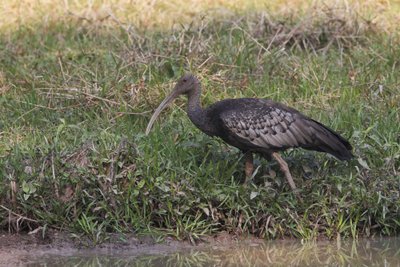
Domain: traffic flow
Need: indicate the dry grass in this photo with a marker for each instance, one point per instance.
(151, 14)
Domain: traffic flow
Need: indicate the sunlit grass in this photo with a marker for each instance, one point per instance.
(142, 14)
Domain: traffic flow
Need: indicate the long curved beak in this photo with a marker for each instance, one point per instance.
(168, 100)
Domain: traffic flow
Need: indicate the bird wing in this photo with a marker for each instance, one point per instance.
(269, 127)
(264, 125)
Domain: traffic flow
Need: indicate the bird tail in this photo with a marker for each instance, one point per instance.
(331, 142)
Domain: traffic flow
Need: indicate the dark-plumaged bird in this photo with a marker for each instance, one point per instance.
(257, 126)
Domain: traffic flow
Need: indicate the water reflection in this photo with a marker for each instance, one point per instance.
(376, 252)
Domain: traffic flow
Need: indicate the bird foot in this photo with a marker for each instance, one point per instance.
(249, 167)
(285, 169)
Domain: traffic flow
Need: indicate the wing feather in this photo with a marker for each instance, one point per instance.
(263, 125)
(268, 128)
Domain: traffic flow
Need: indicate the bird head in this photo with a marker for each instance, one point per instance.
(185, 85)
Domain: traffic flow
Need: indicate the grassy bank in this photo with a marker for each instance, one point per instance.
(78, 84)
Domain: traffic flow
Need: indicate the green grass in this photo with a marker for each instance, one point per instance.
(76, 95)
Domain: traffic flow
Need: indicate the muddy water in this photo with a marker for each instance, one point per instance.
(375, 252)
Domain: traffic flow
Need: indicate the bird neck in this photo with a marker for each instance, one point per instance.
(195, 112)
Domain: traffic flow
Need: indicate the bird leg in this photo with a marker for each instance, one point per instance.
(248, 166)
(285, 169)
